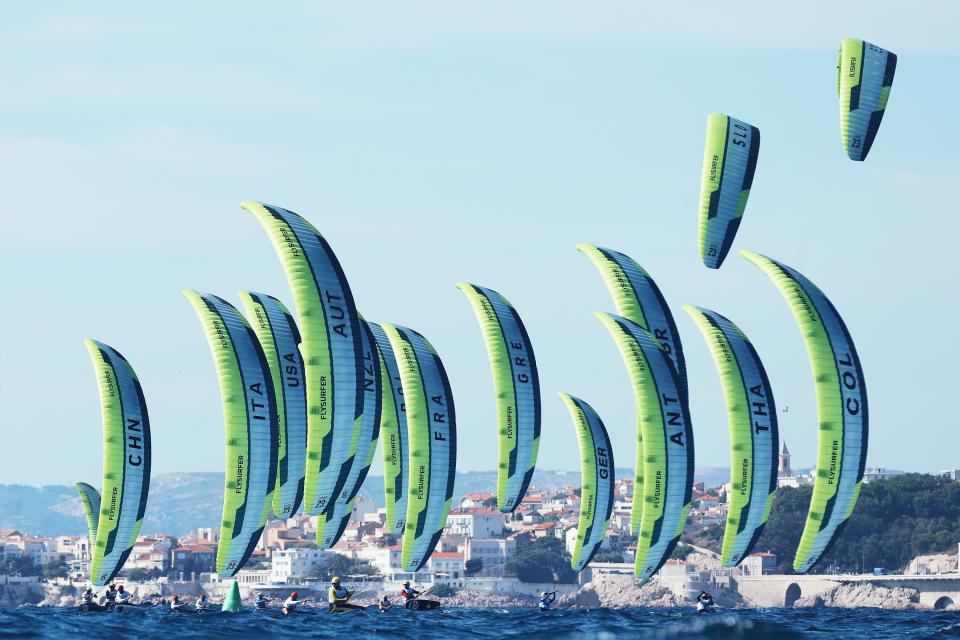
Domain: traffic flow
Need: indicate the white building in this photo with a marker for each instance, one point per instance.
(492, 552)
(757, 564)
(385, 559)
(296, 563)
(475, 522)
(879, 473)
(446, 567)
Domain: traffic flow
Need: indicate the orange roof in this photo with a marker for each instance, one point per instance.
(195, 548)
(479, 496)
(474, 511)
(677, 562)
(764, 554)
(393, 547)
(445, 554)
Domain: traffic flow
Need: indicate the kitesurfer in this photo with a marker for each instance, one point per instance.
(176, 605)
(338, 596)
(291, 603)
(546, 599)
(408, 592)
(201, 602)
(705, 603)
(261, 602)
(87, 596)
(123, 596)
(111, 596)
(385, 603)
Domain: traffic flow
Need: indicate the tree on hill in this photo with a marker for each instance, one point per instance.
(895, 519)
(540, 560)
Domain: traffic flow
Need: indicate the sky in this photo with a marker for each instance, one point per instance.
(432, 142)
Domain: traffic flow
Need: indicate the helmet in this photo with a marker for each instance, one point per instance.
(176, 597)
(112, 585)
(293, 595)
(120, 588)
(336, 579)
(260, 595)
(543, 594)
(407, 583)
(203, 596)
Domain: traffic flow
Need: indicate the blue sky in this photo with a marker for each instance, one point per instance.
(433, 142)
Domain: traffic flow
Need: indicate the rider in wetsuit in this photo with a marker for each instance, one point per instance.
(408, 592)
(546, 599)
(338, 596)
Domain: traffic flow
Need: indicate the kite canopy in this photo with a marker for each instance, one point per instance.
(664, 445)
(114, 521)
(754, 437)
(517, 387)
(864, 78)
(251, 425)
(331, 349)
(279, 338)
(598, 478)
(432, 429)
(729, 162)
(637, 297)
(393, 430)
(841, 408)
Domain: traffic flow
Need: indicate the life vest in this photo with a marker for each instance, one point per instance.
(338, 594)
(408, 593)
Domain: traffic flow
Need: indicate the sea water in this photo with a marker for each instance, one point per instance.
(452, 624)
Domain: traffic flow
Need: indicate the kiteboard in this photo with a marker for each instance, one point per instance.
(422, 605)
(346, 609)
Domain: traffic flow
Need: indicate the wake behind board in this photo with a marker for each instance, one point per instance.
(422, 605)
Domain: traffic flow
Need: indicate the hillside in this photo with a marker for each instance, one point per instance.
(181, 502)
(894, 520)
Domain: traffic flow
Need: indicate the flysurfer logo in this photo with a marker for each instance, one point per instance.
(108, 380)
(239, 488)
(509, 432)
(658, 489)
(261, 319)
(218, 327)
(323, 398)
(420, 482)
(113, 503)
(714, 167)
(722, 346)
(807, 305)
(745, 476)
(291, 243)
(834, 457)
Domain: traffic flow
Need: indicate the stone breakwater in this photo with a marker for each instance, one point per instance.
(849, 596)
(626, 591)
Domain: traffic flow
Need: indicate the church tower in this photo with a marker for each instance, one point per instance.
(784, 462)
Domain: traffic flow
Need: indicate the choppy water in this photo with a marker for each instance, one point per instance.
(451, 624)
